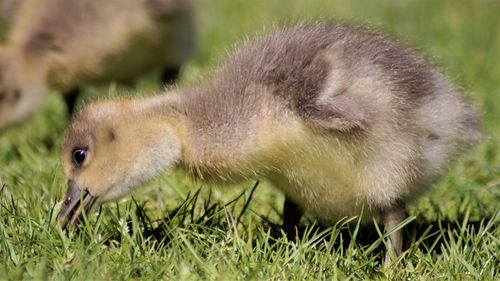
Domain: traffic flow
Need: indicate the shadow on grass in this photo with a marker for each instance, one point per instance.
(427, 236)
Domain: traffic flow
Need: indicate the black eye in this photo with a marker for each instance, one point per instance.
(79, 156)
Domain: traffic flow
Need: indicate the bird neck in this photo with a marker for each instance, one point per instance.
(212, 149)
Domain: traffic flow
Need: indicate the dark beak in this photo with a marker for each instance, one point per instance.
(75, 203)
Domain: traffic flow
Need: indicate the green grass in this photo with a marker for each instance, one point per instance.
(175, 232)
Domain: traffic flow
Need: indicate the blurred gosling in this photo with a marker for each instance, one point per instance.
(65, 44)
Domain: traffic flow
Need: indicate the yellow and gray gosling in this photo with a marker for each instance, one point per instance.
(64, 44)
(339, 118)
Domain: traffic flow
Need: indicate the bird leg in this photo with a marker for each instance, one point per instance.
(394, 243)
(70, 99)
(170, 75)
(291, 218)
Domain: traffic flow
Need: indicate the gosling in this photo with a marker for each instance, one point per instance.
(342, 120)
(64, 44)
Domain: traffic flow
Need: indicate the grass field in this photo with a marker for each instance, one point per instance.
(182, 230)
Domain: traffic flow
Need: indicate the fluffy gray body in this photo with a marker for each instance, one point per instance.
(354, 119)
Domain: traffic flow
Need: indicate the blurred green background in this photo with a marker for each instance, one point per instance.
(461, 37)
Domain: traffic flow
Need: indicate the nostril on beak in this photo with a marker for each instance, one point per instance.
(68, 200)
(76, 202)
(71, 201)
